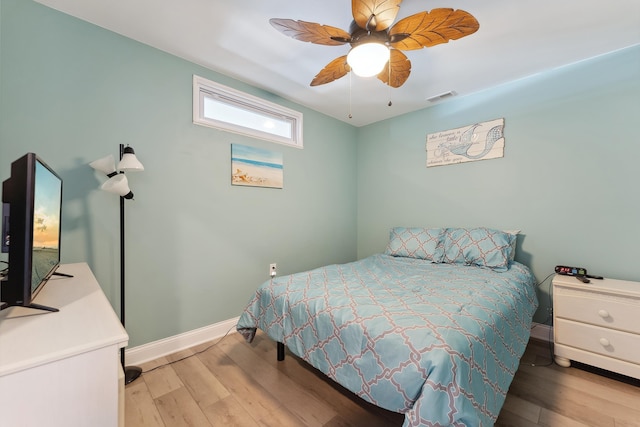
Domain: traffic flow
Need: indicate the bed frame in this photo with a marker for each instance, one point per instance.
(280, 351)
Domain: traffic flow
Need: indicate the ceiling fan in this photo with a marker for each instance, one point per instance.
(372, 29)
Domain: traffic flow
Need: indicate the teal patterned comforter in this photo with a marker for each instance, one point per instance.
(437, 342)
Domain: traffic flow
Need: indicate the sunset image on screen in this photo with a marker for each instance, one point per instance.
(46, 221)
(46, 225)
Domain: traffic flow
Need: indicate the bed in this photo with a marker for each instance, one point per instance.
(433, 328)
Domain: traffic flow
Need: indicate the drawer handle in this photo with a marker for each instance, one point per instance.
(605, 342)
(603, 313)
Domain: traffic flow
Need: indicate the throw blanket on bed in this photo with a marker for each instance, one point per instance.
(438, 342)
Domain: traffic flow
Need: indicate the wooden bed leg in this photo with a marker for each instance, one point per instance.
(280, 351)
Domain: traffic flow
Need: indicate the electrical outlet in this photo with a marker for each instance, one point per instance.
(273, 269)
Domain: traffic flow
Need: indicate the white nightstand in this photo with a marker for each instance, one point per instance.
(597, 323)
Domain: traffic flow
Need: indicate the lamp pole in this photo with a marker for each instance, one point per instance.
(131, 373)
(122, 287)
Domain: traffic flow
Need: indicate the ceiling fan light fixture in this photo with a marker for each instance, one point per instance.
(368, 59)
(373, 28)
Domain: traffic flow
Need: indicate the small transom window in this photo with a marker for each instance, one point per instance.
(222, 107)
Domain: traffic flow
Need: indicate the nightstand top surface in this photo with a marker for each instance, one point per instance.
(602, 285)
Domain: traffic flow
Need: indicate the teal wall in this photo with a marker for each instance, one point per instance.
(569, 176)
(197, 247)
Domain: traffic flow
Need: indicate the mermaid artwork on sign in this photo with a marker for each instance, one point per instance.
(480, 141)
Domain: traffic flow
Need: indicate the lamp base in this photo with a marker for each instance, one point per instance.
(131, 373)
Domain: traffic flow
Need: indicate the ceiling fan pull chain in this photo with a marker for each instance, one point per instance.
(389, 81)
(350, 116)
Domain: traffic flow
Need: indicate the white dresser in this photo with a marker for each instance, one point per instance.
(597, 323)
(62, 369)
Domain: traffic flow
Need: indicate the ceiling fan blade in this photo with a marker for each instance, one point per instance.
(426, 29)
(400, 69)
(311, 32)
(375, 15)
(332, 71)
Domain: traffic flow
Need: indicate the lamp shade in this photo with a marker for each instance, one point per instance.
(106, 165)
(118, 184)
(129, 161)
(368, 59)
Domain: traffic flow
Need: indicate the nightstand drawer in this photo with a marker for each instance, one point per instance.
(607, 342)
(597, 309)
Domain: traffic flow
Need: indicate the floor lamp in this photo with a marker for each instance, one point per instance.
(118, 184)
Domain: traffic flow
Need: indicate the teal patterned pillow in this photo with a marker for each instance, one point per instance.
(482, 247)
(415, 242)
(513, 236)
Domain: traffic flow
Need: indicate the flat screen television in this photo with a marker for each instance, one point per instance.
(31, 229)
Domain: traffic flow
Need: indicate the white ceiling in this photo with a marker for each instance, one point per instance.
(517, 38)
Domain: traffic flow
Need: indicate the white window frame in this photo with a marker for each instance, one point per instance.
(203, 88)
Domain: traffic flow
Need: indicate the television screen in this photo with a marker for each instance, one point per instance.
(31, 227)
(46, 225)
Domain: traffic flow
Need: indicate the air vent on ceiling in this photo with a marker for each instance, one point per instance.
(442, 96)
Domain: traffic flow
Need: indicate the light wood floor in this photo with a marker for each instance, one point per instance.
(236, 384)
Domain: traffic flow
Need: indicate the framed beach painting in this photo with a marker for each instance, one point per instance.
(255, 167)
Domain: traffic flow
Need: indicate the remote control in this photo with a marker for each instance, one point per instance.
(583, 279)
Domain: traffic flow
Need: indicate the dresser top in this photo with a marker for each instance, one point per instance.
(625, 287)
(86, 321)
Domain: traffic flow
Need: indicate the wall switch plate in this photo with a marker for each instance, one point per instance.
(273, 269)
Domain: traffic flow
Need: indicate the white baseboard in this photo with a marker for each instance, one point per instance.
(541, 332)
(155, 349)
